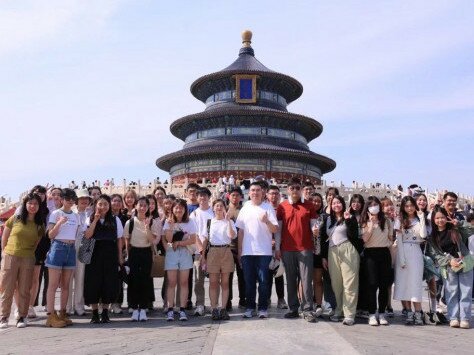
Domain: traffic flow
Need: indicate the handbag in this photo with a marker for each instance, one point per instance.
(466, 265)
(84, 254)
(158, 264)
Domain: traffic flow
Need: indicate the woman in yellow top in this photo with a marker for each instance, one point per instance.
(22, 234)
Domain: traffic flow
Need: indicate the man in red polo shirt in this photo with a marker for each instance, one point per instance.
(295, 244)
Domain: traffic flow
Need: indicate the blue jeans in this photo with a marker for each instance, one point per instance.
(61, 256)
(458, 287)
(255, 268)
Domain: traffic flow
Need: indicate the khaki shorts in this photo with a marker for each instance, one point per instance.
(220, 260)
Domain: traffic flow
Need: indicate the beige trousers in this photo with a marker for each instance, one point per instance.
(15, 270)
(344, 262)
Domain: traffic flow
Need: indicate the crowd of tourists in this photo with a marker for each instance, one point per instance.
(339, 257)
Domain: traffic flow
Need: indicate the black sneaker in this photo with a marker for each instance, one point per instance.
(215, 314)
(292, 314)
(104, 316)
(441, 318)
(189, 305)
(390, 313)
(224, 315)
(95, 317)
(429, 319)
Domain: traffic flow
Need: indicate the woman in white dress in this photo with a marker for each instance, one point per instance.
(411, 232)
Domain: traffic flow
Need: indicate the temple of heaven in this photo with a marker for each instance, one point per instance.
(246, 129)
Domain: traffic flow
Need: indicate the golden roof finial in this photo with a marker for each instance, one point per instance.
(246, 38)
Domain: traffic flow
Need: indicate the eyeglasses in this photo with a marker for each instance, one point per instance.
(294, 188)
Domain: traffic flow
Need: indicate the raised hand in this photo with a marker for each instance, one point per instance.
(453, 221)
(61, 220)
(347, 214)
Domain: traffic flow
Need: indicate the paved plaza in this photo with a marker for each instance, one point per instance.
(200, 335)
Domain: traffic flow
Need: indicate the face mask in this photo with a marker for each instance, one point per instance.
(374, 209)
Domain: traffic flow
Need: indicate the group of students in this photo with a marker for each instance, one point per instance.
(350, 256)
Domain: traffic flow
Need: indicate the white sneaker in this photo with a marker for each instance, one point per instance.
(170, 316)
(21, 323)
(80, 312)
(318, 312)
(262, 314)
(31, 312)
(143, 317)
(373, 320)
(183, 316)
(116, 309)
(249, 313)
(199, 311)
(348, 321)
(382, 319)
(4, 323)
(135, 315)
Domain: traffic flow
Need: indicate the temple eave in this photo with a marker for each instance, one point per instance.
(166, 162)
(231, 116)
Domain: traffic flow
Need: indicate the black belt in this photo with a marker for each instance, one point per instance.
(219, 246)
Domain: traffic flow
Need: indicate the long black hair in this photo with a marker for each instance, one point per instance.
(360, 198)
(109, 219)
(404, 219)
(364, 217)
(182, 202)
(23, 217)
(332, 214)
(43, 210)
(450, 230)
(147, 202)
(321, 209)
(155, 213)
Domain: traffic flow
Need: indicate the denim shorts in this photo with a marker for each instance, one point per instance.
(61, 256)
(179, 259)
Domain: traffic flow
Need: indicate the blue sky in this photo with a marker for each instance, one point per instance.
(89, 88)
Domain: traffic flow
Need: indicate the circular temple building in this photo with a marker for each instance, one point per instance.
(246, 129)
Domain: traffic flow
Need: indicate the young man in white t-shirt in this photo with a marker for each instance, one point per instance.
(200, 216)
(256, 223)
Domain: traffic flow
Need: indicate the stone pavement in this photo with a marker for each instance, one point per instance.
(200, 335)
